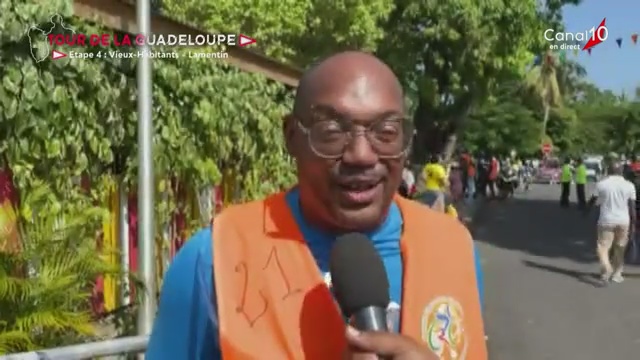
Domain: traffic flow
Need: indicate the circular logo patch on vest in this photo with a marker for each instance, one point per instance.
(443, 329)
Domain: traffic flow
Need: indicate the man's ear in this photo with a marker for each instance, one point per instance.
(289, 132)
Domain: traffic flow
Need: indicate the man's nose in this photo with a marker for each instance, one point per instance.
(359, 151)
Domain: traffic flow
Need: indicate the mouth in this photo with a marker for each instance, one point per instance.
(360, 192)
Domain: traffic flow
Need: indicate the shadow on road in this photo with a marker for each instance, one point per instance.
(586, 277)
(543, 300)
(539, 228)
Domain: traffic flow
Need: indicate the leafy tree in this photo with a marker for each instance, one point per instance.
(71, 119)
(192, 141)
(551, 79)
(502, 124)
(300, 31)
(551, 11)
(454, 54)
(624, 127)
(549, 82)
(596, 121)
(561, 130)
(542, 81)
(571, 79)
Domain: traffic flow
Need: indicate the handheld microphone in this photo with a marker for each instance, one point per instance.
(360, 282)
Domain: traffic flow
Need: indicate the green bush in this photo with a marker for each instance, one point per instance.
(72, 118)
(45, 285)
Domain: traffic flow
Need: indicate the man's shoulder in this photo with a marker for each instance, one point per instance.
(449, 229)
(439, 219)
(605, 182)
(198, 245)
(621, 182)
(614, 183)
(201, 237)
(259, 205)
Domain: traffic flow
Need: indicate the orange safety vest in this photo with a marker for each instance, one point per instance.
(274, 304)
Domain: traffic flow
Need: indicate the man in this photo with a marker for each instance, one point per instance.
(435, 175)
(527, 174)
(581, 183)
(483, 176)
(626, 170)
(632, 169)
(494, 172)
(436, 194)
(256, 284)
(565, 183)
(634, 165)
(518, 167)
(508, 179)
(468, 168)
(408, 185)
(616, 223)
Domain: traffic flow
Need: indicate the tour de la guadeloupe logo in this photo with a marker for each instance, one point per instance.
(40, 44)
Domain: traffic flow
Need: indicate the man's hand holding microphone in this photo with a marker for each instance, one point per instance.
(376, 344)
(362, 290)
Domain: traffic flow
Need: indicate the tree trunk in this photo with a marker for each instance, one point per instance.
(457, 126)
(450, 146)
(545, 120)
(438, 128)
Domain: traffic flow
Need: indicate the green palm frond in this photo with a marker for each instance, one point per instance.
(46, 286)
(11, 341)
(542, 81)
(15, 289)
(55, 320)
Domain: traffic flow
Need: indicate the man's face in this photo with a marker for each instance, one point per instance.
(353, 191)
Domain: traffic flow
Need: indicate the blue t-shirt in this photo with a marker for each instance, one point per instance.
(186, 324)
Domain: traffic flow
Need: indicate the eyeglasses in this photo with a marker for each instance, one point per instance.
(389, 138)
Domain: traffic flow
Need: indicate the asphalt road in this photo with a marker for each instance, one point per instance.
(542, 300)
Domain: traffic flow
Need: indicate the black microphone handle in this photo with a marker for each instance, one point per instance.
(370, 318)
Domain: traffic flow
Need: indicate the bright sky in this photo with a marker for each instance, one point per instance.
(608, 66)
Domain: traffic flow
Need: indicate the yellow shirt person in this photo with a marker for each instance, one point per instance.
(435, 177)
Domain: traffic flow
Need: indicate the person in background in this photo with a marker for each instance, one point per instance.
(635, 164)
(565, 182)
(494, 172)
(616, 222)
(468, 168)
(627, 173)
(437, 192)
(463, 159)
(349, 135)
(408, 185)
(435, 175)
(482, 176)
(632, 169)
(472, 174)
(527, 174)
(581, 183)
(516, 166)
(633, 175)
(455, 185)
